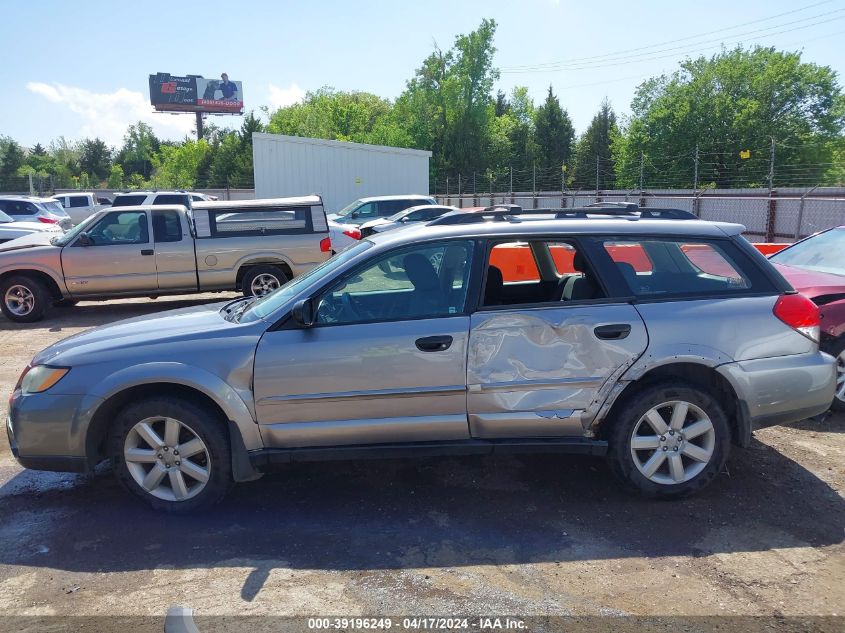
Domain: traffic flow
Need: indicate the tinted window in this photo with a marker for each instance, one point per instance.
(18, 207)
(166, 226)
(227, 223)
(129, 201)
(173, 198)
(420, 282)
(670, 267)
(78, 201)
(120, 227)
(389, 207)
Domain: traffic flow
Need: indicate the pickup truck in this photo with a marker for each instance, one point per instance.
(146, 251)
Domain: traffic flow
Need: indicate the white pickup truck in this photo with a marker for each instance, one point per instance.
(254, 246)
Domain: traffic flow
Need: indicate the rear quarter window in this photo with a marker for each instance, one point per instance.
(661, 267)
(129, 201)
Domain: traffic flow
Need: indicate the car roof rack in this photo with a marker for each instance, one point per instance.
(601, 210)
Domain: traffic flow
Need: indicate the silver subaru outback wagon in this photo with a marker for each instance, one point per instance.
(655, 341)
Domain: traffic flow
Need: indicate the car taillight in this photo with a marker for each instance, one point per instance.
(326, 245)
(799, 313)
(47, 220)
(354, 233)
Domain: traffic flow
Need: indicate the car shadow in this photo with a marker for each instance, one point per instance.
(398, 514)
(827, 422)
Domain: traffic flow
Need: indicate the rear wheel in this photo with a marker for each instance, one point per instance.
(669, 440)
(838, 351)
(24, 299)
(261, 280)
(171, 453)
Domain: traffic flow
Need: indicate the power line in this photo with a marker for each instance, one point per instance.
(681, 39)
(710, 46)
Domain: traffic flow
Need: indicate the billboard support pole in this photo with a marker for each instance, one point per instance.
(199, 126)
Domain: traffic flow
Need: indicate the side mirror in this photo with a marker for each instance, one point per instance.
(84, 240)
(303, 312)
(354, 214)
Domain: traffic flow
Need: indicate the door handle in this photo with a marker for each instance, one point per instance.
(434, 343)
(612, 332)
(147, 251)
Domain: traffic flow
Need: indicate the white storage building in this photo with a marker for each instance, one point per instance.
(340, 172)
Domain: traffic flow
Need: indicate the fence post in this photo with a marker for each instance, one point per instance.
(492, 197)
(772, 166)
(597, 177)
(447, 186)
(31, 190)
(534, 186)
(695, 176)
(801, 213)
(511, 188)
(642, 165)
(771, 216)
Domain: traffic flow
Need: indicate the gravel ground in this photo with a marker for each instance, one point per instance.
(522, 535)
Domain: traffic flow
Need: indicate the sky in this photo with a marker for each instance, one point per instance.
(80, 69)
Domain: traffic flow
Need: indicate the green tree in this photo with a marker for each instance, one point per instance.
(735, 100)
(595, 144)
(176, 166)
(11, 160)
(554, 133)
(116, 177)
(140, 144)
(446, 105)
(230, 166)
(95, 158)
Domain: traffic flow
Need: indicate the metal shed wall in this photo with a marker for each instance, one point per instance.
(339, 171)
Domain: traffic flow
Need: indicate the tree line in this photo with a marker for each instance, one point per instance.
(719, 121)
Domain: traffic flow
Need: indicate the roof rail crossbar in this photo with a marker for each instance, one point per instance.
(501, 213)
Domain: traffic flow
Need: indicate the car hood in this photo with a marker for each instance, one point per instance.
(812, 283)
(33, 240)
(377, 222)
(161, 330)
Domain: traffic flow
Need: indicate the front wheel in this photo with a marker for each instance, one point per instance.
(24, 299)
(171, 453)
(670, 440)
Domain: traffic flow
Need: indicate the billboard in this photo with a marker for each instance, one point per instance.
(194, 93)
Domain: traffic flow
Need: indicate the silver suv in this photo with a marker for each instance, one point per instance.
(655, 340)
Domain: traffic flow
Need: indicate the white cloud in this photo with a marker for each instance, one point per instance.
(281, 97)
(107, 115)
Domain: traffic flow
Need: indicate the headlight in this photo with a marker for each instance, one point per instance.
(41, 377)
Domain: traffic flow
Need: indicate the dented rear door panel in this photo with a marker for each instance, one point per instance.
(534, 372)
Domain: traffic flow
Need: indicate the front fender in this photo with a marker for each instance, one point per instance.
(227, 398)
(23, 268)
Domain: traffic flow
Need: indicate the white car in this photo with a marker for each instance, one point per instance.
(343, 236)
(11, 230)
(32, 209)
(79, 205)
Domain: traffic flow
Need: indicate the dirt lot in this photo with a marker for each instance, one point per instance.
(528, 535)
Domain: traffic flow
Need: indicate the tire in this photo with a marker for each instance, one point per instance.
(177, 485)
(671, 478)
(24, 299)
(837, 349)
(65, 303)
(267, 276)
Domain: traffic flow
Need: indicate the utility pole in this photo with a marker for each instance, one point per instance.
(447, 186)
(199, 126)
(642, 169)
(695, 176)
(459, 186)
(772, 166)
(511, 189)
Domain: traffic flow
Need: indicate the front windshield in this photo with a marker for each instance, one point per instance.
(349, 208)
(269, 303)
(67, 238)
(822, 253)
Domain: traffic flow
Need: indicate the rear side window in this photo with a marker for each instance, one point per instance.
(172, 198)
(658, 267)
(78, 201)
(166, 226)
(264, 222)
(129, 201)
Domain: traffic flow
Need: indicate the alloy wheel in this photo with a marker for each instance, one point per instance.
(167, 458)
(673, 442)
(263, 284)
(20, 300)
(840, 376)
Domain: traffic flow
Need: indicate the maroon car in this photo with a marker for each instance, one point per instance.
(815, 266)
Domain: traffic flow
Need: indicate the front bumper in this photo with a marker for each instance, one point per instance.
(783, 389)
(48, 431)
